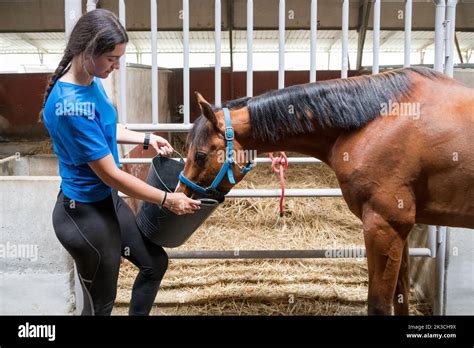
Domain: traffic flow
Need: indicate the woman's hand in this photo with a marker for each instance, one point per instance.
(161, 145)
(181, 204)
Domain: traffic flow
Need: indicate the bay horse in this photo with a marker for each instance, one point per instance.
(401, 144)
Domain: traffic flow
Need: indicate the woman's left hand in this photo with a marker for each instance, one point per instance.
(161, 145)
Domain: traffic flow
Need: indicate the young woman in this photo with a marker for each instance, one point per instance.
(90, 220)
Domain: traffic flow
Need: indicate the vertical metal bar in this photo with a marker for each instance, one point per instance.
(91, 5)
(441, 235)
(439, 30)
(408, 20)
(314, 28)
(281, 46)
(249, 48)
(123, 70)
(345, 38)
(364, 21)
(217, 67)
(451, 29)
(432, 239)
(72, 12)
(439, 306)
(186, 61)
(154, 63)
(376, 37)
(230, 16)
(447, 48)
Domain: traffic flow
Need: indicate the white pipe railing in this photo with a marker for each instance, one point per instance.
(186, 101)
(450, 33)
(343, 253)
(313, 43)
(263, 160)
(91, 5)
(154, 63)
(439, 305)
(281, 44)
(217, 66)
(123, 70)
(435, 239)
(407, 43)
(72, 12)
(165, 127)
(439, 35)
(271, 192)
(345, 39)
(249, 48)
(376, 37)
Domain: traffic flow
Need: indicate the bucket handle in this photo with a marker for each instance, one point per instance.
(159, 177)
(181, 159)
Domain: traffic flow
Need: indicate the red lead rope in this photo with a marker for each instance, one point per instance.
(282, 161)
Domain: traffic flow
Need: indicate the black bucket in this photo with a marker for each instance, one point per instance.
(162, 226)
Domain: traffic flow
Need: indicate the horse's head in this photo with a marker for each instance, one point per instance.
(212, 162)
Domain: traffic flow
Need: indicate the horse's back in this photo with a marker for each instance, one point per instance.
(421, 151)
(445, 187)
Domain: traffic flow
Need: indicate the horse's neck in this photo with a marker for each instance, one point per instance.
(317, 144)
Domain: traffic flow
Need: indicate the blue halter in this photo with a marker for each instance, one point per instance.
(226, 168)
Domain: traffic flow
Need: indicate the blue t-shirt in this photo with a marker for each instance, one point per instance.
(82, 123)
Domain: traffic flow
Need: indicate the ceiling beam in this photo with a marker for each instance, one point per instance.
(388, 37)
(426, 45)
(30, 42)
(364, 14)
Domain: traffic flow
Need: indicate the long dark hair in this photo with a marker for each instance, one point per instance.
(94, 34)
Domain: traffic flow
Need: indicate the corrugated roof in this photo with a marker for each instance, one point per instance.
(203, 41)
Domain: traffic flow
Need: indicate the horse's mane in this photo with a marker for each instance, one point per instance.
(342, 103)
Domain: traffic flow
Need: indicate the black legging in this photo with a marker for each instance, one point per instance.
(96, 235)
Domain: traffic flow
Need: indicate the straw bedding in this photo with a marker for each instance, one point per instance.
(274, 286)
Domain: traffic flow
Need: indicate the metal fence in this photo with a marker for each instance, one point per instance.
(444, 54)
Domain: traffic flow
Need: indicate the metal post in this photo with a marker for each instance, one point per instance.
(72, 12)
(376, 37)
(249, 48)
(440, 272)
(408, 20)
(345, 38)
(450, 32)
(314, 28)
(91, 5)
(265, 160)
(279, 254)
(281, 46)
(154, 63)
(441, 231)
(364, 21)
(186, 61)
(262, 193)
(439, 31)
(217, 67)
(432, 239)
(123, 70)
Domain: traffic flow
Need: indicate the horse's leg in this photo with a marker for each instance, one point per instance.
(384, 247)
(400, 299)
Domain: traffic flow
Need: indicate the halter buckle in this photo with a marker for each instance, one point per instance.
(229, 133)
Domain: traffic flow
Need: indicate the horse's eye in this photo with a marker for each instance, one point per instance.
(200, 158)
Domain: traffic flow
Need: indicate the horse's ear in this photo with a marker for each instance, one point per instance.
(206, 110)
